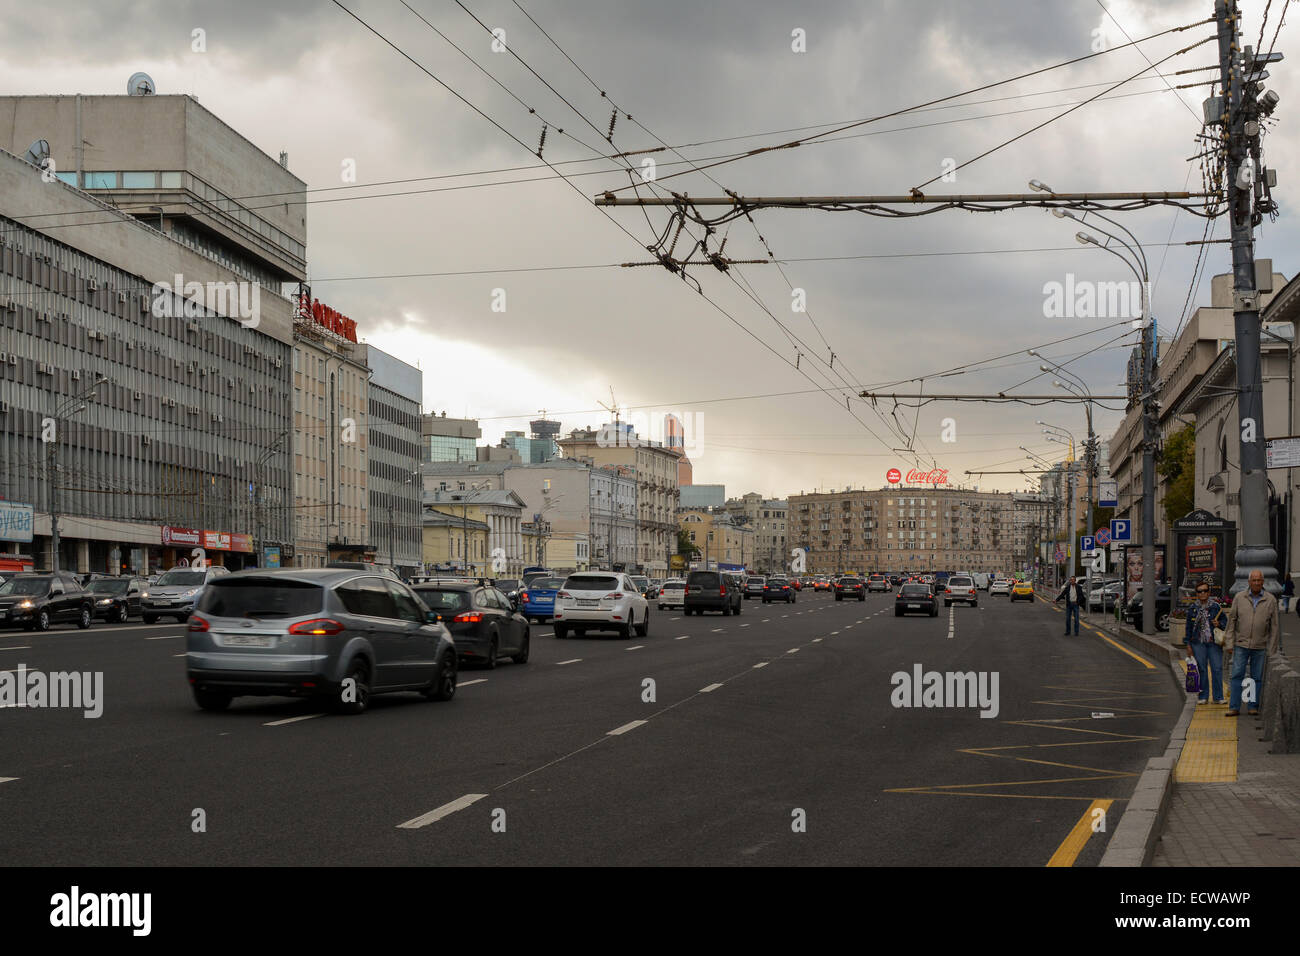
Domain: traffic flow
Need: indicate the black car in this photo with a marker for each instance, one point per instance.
(778, 589)
(35, 600)
(1133, 611)
(711, 591)
(754, 586)
(482, 621)
(116, 599)
(895, 580)
(850, 588)
(507, 586)
(916, 599)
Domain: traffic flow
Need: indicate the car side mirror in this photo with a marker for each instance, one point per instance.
(432, 617)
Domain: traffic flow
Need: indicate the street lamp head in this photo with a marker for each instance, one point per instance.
(1040, 187)
(1043, 368)
(1084, 239)
(1063, 214)
(1040, 422)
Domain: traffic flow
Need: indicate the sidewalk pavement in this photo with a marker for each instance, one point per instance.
(1233, 803)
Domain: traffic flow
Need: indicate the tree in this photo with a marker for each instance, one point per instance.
(1178, 468)
(685, 546)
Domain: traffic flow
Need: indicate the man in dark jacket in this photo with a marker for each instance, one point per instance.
(1074, 598)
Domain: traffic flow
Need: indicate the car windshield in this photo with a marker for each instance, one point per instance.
(259, 597)
(509, 584)
(546, 584)
(777, 582)
(108, 586)
(673, 585)
(640, 582)
(176, 578)
(443, 599)
(591, 582)
(915, 590)
(25, 586)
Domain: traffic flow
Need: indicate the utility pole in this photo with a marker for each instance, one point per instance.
(1241, 107)
(1149, 413)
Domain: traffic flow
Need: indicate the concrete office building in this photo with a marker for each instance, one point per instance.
(448, 439)
(180, 445)
(394, 483)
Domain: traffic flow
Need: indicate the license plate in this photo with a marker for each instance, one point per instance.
(247, 640)
(545, 601)
(583, 602)
(914, 607)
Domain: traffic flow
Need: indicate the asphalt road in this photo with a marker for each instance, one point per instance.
(770, 738)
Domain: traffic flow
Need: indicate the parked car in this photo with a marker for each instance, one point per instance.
(482, 621)
(1022, 591)
(537, 601)
(711, 591)
(1104, 596)
(754, 585)
(916, 599)
(35, 600)
(850, 587)
(116, 599)
(177, 593)
(1133, 610)
(778, 589)
(600, 601)
(672, 593)
(959, 587)
(334, 633)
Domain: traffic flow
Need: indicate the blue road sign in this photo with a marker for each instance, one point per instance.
(1085, 543)
(1121, 529)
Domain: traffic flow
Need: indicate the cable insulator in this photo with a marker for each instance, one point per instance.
(542, 143)
(610, 135)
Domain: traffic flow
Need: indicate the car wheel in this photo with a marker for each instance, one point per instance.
(444, 685)
(838, 596)
(124, 615)
(737, 610)
(625, 630)
(359, 674)
(974, 603)
(1162, 621)
(726, 611)
(561, 632)
(898, 612)
(493, 648)
(211, 699)
(43, 620)
(150, 618)
(83, 621)
(644, 627)
(934, 611)
(947, 604)
(522, 656)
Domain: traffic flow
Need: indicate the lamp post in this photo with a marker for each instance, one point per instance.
(66, 409)
(392, 543)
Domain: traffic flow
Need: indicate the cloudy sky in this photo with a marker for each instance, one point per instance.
(448, 208)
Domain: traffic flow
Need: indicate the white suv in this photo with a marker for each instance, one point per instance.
(960, 588)
(600, 601)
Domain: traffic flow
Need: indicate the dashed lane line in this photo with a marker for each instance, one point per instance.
(291, 720)
(466, 683)
(710, 689)
(634, 647)
(562, 663)
(433, 816)
(630, 725)
(682, 638)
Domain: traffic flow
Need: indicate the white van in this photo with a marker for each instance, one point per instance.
(982, 580)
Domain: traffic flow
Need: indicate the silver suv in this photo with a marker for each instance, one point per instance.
(333, 633)
(176, 593)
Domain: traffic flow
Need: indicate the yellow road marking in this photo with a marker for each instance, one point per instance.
(1078, 837)
(1120, 647)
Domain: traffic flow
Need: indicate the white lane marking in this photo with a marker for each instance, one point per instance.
(818, 640)
(631, 725)
(164, 637)
(20, 647)
(674, 619)
(833, 633)
(793, 650)
(710, 689)
(433, 816)
(785, 615)
(682, 638)
(562, 663)
(7, 779)
(291, 720)
(466, 683)
(717, 630)
(180, 655)
(744, 625)
(952, 621)
(763, 664)
(634, 647)
(847, 626)
(766, 619)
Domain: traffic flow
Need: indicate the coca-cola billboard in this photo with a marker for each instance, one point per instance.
(935, 476)
(893, 476)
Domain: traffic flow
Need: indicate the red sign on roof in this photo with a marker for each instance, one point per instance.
(327, 318)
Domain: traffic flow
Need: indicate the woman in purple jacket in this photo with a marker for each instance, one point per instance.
(1202, 617)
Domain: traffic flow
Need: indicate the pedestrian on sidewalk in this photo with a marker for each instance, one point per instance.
(1202, 618)
(1252, 633)
(1288, 592)
(1074, 598)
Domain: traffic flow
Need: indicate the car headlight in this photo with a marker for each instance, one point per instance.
(144, 594)
(191, 592)
(104, 601)
(27, 605)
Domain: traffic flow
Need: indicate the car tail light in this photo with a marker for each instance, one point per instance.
(785, 587)
(686, 590)
(523, 597)
(197, 623)
(614, 596)
(563, 594)
(766, 587)
(722, 591)
(467, 618)
(319, 626)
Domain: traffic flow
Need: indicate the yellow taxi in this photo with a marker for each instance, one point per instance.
(1022, 590)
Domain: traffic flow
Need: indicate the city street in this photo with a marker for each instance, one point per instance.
(760, 722)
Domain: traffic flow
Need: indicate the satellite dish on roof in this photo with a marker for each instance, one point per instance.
(140, 84)
(38, 153)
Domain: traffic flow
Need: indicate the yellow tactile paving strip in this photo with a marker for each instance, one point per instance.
(1210, 754)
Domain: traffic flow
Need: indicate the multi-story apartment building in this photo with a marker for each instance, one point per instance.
(145, 391)
(613, 516)
(331, 440)
(896, 528)
(393, 443)
(721, 539)
(657, 491)
(767, 519)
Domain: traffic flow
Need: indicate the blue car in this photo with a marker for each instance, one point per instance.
(537, 600)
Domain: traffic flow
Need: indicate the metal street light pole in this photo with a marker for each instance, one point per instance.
(66, 409)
